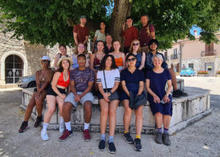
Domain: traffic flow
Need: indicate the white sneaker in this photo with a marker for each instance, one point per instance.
(61, 127)
(44, 135)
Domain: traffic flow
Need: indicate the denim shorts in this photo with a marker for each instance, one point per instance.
(71, 98)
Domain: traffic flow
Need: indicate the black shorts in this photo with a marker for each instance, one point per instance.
(114, 96)
(50, 91)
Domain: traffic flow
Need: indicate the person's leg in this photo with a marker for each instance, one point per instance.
(29, 109)
(139, 121)
(103, 117)
(139, 124)
(51, 105)
(87, 114)
(166, 124)
(27, 114)
(112, 119)
(127, 115)
(159, 122)
(60, 103)
(39, 108)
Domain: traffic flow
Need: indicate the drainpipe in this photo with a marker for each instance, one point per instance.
(181, 47)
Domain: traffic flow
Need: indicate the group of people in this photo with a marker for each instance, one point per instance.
(111, 75)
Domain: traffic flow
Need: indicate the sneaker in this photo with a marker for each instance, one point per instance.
(178, 93)
(166, 139)
(38, 122)
(102, 144)
(44, 135)
(23, 127)
(111, 148)
(61, 127)
(137, 144)
(158, 138)
(86, 135)
(128, 138)
(65, 135)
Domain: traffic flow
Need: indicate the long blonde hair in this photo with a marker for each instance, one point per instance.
(131, 47)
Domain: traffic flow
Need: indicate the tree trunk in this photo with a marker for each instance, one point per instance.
(122, 9)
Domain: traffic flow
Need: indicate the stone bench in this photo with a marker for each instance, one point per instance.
(186, 110)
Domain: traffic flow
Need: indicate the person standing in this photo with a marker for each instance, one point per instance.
(160, 99)
(100, 33)
(81, 32)
(108, 80)
(132, 81)
(129, 33)
(81, 82)
(146, 33)
(43, 78)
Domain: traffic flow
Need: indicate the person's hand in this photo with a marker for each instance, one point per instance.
(77, 98)
(38, 98)
(156, 99)
(105, 96)
(123, 26)
(63, 96)
(166, 99)
(128, 94)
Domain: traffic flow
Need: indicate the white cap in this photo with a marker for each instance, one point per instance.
(45, 58)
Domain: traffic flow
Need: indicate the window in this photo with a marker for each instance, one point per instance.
(175, 56)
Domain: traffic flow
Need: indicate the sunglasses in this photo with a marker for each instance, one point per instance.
(135, 44)
(45, 61)
(131, 59)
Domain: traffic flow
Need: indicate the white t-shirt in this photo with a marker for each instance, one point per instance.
(111, 77)
(99, 35)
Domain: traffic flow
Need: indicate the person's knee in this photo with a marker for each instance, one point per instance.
(51, 110)
(104, 110)
(158, 115)
(112, 111)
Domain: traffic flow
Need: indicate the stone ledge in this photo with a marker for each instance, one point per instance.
(186, 110)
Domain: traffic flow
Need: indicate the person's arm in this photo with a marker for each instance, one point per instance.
(142, 61)
(123, 30)
(37, 81)
(117, 81)
(96, 35)
(135, 34)
(85, 41)
(92, 57)
(88, 89)
(56, 58)
(75, 38)
(152, 32)
(124, 87)
(124, 62)
(54, 84)
(156, 98)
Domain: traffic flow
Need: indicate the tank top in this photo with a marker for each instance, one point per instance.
(61, 81)
(97, 63)
(119, 63)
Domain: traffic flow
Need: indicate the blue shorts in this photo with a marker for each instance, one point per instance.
(165, 109)
(71, 98)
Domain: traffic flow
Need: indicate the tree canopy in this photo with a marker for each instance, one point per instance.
(51, 21)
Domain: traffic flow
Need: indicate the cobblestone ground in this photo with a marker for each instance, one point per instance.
(200, 139)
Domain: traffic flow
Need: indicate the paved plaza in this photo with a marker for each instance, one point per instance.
(200, 139)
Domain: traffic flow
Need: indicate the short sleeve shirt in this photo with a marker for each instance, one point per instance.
(132, 79)
(82, 32)
(144, 34)
(81, 78)
(158, 82)
(129, 35)
(99, 36)
(111, 76)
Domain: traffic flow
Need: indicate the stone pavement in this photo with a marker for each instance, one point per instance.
(200, 139)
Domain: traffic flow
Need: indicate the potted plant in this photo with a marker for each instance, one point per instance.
(202, 73)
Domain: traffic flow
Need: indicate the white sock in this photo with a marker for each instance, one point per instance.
(86, 126)
(61, 120)
(45, 125)
(68, 126)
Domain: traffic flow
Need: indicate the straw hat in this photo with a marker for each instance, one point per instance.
(65, 58)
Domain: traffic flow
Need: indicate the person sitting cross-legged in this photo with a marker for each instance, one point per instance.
(81, 82)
